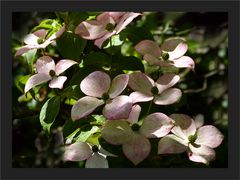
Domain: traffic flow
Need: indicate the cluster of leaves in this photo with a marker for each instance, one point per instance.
(82, 119)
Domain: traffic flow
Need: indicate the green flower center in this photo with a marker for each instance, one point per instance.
(105, 96)
(95, 148)
(110, 27)
(135, 127)
(52, 73)
(154, 90)
(165, 56)
(40, 40)
(192, 139)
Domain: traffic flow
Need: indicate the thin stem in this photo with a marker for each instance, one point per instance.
(111, 53)
(150, 106)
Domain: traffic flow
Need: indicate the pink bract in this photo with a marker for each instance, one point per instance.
(106, 25)
(101, 90)
(160, 91)
(171, 53)
(31, 40)
(80, 151)
(47, 70)
(189, 136)
(135, 143)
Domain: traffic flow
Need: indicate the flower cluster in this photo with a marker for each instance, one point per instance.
(119, 98)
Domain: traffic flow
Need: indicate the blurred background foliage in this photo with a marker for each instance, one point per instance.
(205, 90)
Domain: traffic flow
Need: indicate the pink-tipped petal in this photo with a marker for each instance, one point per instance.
(209, 136)
(184, 62)
(152, 60)
(77, 151)
(31, 39)
(96, 84)
(137, 148)
(138, 81)
(171, 144)
(201, 154)
(57, 82)
(184, 125)
(63, 65)
(119, 83)
(41, 33)
(36, 80)
(169, 96)
(98, 42)
(55, 35)
(171, 44)
(116, 132)
(93, 29)
(118, 108)
(116, 15)
(148, 47)
(45, 64)
(199, 120)
(96, 161)
(178, 52)
(84, 107)
(126, 19)
(140, 97)
(105, 153)
(156, 125)
(23, 50)
(134, 114)
(166, 81)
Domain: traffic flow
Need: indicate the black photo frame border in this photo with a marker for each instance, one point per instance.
(8, 7)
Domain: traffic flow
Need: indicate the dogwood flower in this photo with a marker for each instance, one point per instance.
(37, 40)
(47, 70)
(106, 25)
(101, 90)
(160, 91)
(189, 135)
(171, 53)
(94, 155)
(134, 138)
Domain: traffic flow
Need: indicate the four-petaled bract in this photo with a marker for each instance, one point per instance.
(101, 90)
(32, 40)
(189, 135)
(47, 70)
(171, 53)
(106, 25)
(160, 91)
(132, 137)
(94, 155)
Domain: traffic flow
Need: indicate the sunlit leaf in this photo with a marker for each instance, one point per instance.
(49, 112)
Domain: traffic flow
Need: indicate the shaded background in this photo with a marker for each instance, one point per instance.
(205, 90)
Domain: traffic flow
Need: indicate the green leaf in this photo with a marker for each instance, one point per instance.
(21, 81)
(63, 16)
(24, 98)
(84, 135)
(117, 150)
(49, 112)
(136, 34)
(127, 63)
(115, 41)
(71, 92)
(30, 56)
(98, 119)
(71, 46)
(97, 59)
(70, 128)
(76, 18)
(51, 25)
